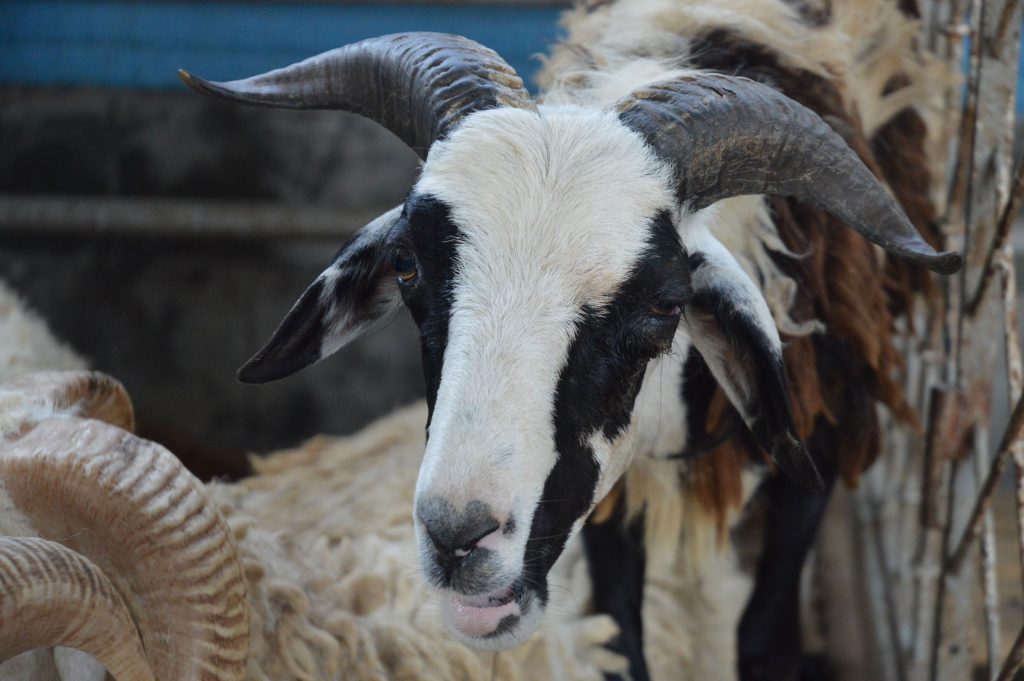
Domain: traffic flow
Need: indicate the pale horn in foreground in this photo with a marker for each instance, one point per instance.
(126, 559)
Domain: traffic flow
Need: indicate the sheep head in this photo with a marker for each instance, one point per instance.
(548, 255)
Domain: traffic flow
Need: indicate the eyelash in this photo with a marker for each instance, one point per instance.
(665, 309)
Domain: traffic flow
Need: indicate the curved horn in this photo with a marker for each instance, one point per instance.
(52, 596)
(417, 85)
(88, 394)
(731, 136)
(130, 507)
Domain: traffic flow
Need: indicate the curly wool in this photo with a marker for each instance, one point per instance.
(26, 343)
(326, 540)
(326, 537)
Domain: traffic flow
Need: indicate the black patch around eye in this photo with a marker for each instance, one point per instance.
(661, 279)
(404, 263)
(431, 235)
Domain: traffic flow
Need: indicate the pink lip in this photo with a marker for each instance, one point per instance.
(473, 617)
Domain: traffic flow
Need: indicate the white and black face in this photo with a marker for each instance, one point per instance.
(541, 259)
(548, 254)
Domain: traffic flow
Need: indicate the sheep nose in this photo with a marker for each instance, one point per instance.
(455, 533)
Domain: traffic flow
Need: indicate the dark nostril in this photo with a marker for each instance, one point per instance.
(455, 532)
(461, 551)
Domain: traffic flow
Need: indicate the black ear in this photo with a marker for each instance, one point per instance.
(356, 290)
(731, 326)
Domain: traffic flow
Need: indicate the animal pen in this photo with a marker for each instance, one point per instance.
(919, 572)
(939, 592)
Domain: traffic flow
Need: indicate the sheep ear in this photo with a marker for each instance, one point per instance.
(731, 326)
(356, 290)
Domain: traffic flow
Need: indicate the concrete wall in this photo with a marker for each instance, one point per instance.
(174, 311)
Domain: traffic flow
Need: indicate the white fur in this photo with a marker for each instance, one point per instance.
(721, 270)
(659, 416)
(26, 344)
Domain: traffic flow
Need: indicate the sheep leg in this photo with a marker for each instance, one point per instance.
(615, 557)
(769, 631)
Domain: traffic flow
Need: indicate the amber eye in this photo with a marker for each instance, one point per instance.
(404, 263)
(665, 309)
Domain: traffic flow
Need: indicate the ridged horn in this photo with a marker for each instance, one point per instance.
(730, 136)
(417, 85)
(86, 394)
(52, 596)
(129, 506)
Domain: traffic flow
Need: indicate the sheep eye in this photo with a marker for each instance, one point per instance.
(404, 263)
(664, 309)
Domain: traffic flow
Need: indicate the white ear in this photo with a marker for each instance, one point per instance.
(731, 326)
(356, 290)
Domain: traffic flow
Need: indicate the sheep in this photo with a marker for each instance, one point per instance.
(329, 589)
(321, 534)
(622, 254)
(599, 282)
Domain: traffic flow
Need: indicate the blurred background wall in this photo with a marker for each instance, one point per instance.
(164, 235)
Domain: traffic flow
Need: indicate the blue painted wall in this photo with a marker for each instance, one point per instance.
(141, 43)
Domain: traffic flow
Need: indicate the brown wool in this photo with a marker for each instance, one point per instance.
(836, 382)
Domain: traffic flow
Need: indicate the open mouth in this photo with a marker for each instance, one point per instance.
(485, 616)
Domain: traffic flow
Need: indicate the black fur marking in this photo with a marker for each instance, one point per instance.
(728, 52)
(755, 361)
(507, 623)
(723, 51)
(428, 231)
(816, 13)
(598, 387)
(364, 263)
(362, 291)
(697, 259)
(617, 563)
(698, 388)
(295, 344)
(769, 631)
